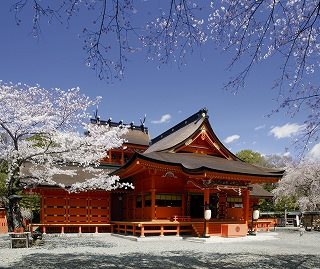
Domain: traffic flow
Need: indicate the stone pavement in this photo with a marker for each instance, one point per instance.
(281, 249)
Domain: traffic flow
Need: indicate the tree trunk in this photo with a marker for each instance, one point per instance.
(13, 213)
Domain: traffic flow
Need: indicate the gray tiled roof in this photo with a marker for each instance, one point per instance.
(193, 162)
(176, 134)
(81, 174)
(259, 191)
(137, 137)
(175, 138)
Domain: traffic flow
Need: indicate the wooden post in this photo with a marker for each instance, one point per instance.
(62, 229)
(142, 231)
(246, 204)
(161, 230)
(142, 205)
(122, 158)
(153, 199)
(183, 206)
(206, 198)
(79, 229)
(178, 230)
(42, 214)
(97, 229)
(66, 201)
(127, 206)
(89, 209)
(110, 157)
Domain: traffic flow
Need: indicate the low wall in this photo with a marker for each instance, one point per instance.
(3, 222)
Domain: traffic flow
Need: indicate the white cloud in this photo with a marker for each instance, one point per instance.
(164, 118)
(314, 153)
(287, 154)
(260, 127)
(287, 130)
(231, 139)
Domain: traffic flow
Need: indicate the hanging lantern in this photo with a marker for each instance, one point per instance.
(207, 214)
(255, 214)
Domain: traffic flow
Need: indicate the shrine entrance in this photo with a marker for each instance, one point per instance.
(117, 206)
(213, 205)
(196, 205)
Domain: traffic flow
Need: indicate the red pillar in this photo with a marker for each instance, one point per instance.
(206, 198)
(246, 204)
(153, 199)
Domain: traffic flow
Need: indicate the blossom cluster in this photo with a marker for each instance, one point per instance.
(303, 183)
(41, 128)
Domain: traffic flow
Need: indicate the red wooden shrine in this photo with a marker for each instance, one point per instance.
(183, 169)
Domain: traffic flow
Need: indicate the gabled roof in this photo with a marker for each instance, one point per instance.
(186, 132)
(177, 134)
(171, 148)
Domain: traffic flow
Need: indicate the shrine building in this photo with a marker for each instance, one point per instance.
(176, 176)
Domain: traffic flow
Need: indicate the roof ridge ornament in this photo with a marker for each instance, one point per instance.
(204, 112)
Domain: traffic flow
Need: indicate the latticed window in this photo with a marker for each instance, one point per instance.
(173, 200)
(147, 200)
(234, 202)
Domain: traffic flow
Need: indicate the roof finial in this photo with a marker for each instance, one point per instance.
(96, 114)
(204, 112)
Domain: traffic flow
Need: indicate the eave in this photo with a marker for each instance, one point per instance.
(141, 162)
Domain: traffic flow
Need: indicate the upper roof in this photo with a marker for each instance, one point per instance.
(186, 133)
(136, 137)
(137, 134)
(180, 132)
(193, 145)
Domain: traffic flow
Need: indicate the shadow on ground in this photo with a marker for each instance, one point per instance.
(168, 260)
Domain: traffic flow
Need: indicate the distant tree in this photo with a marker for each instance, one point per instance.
(53, 117)
(289, 202)
(272, 161)
(301, 182)
(253, 31)
(277, 161)
(252, 157)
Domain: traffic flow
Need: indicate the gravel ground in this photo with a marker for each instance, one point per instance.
(280, 249)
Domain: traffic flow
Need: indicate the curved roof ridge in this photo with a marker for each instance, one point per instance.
(202, 113)
(198, 163)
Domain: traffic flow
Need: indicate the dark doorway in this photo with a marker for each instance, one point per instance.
(116, 206)
(196, 206)
(213, 205)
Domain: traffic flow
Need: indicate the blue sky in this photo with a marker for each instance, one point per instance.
(167, 95)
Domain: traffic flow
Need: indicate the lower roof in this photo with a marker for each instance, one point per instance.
(193, 162)
(259, 192)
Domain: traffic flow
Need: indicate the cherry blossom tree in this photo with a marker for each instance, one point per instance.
(301, 182)
(42, 128)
